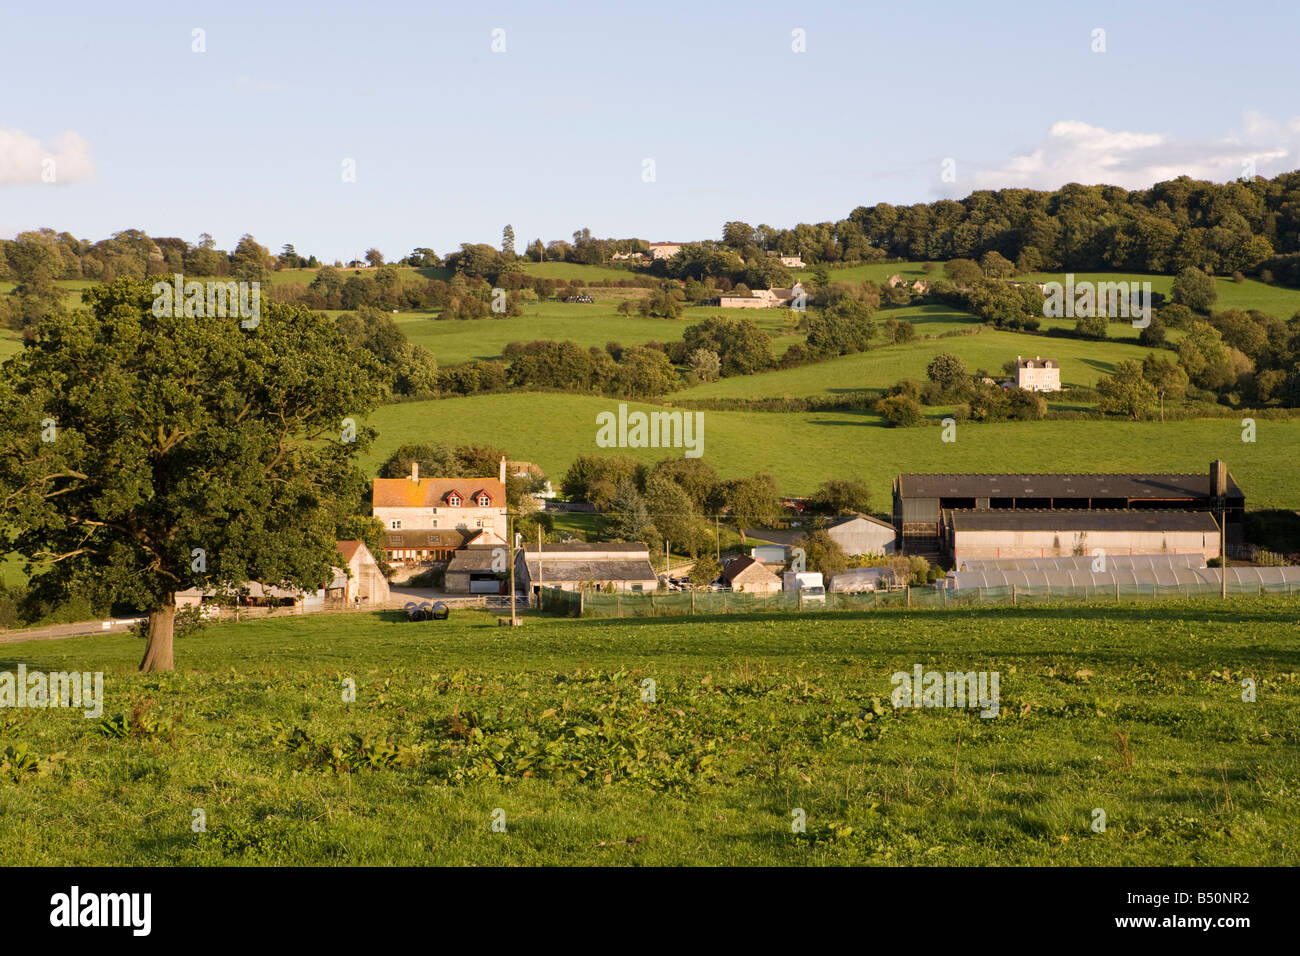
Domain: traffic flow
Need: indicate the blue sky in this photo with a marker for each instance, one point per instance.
(451, 141)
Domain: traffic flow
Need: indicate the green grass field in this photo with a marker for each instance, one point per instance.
(1082, 363)
(1133, 710)
(452, 341)
(11, 342)
(877, 272)
(802, 449)
(1247, 294)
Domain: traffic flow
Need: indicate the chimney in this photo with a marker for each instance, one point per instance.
(1218, 478)
(415, 471)
(502, 474)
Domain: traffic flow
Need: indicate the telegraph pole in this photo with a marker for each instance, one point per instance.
(1219, 502)
(510, 530)
(1223, 548)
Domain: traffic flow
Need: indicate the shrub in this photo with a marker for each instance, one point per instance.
(900, 411)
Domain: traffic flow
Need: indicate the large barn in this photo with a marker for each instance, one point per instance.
(1054, 534)
(920, 500)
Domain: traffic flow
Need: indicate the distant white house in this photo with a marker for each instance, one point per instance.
(792, 262)
(1038, 374)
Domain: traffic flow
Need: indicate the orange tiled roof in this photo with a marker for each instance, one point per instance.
(430, 492)
(348, 549)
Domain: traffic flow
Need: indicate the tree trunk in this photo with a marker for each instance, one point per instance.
(158, 647)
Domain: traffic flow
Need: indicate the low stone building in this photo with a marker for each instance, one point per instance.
(750, 576)
(760, 298)
(575, 565)
(477, 569)
(360, 581)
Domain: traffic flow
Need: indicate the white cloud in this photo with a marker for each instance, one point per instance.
(1075, 152)
(25, 159)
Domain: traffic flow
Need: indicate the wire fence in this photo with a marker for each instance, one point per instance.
(671, 603)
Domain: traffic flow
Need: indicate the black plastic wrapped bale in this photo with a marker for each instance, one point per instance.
(440, 611)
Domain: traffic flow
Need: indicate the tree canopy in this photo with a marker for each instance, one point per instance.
(144, 454)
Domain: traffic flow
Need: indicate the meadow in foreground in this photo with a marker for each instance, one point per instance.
(1135, 710)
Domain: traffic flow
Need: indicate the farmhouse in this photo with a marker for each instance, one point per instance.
(750, 576)
(1024, 534)
(429, 504)
(575, 565)
(792, 262)
(665, 250)
(1038, 374)
(361, 581)
(921, 500)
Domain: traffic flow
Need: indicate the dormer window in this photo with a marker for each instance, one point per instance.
(453, 500)
(484, 499)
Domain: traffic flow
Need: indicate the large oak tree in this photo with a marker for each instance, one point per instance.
(144, 455)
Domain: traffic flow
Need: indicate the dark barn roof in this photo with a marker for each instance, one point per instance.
(1065, 520)
(477, 557)
(429, 538)
(1154, 487)
(587, 547)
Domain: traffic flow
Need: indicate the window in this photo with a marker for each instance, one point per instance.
(453, 499)
(397, 524)
(484, 499)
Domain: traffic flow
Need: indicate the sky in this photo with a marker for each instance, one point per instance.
(342, 126)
